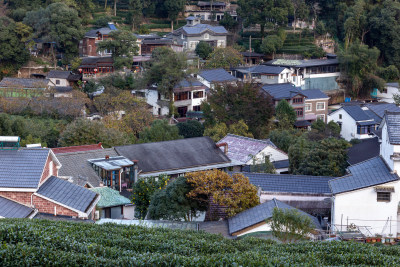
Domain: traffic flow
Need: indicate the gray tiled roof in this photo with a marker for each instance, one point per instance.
(263, 69)
(288, 183)
(66, 193)
(393, 84)
(366, 149)
(24, 83)
(357, 113)
(76, 165)
(62, 89)
(373, 116)
(217, 75)
(61, 74)
(261, 213)
(282, 90)
(315, 94)
(380, 108)
(174, 155)
(280, 164)
(393, 127)
(200, 28)
(365, 174)
(302, 63)
(188, 83)
(22, 168)
(242, 148)
(12, 209)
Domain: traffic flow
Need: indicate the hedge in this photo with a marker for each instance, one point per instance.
(51, 243)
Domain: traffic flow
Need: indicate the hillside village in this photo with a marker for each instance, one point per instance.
(245, 118)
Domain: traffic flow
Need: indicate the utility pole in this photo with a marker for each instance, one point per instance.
(250, 44)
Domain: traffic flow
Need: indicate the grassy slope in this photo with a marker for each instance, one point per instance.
(64, 243)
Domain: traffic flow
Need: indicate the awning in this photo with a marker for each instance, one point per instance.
(310, 117)
(366, 123)
(384, 189)
(302, 123)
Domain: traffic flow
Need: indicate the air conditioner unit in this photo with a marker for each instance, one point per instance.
(97, 215)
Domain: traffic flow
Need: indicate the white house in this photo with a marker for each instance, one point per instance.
(251, 151)
(266, 74)
(369, 195)
(188, 96)
(354, 122)
(387, 93)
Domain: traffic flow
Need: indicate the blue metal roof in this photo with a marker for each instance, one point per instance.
(365, 174)
(69, 194)
(200, 28)
(289, 183)
(217, 75)
(22, 168)
(357, 113)
(261, 213)
(380, 108)
(393, 126)
(188, 83)
(282, 90)
(314, 94)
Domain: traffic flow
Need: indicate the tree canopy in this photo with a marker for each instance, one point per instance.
(224, 58)
(159, 131)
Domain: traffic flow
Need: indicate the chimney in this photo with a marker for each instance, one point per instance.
(107, 157)
(225, 145)
(135, 172)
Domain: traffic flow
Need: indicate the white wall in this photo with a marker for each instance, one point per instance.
(273, 153)
(151, 97)
(63, 82)
(387, 150)
(262, 228)
(388, 96)
(349, 126)
(267, 196)
(361, 208)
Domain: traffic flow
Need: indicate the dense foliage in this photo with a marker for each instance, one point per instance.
(143, 190)
(159, 131)
(39, 242)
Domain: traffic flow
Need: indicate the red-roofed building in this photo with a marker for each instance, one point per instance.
(68, 149)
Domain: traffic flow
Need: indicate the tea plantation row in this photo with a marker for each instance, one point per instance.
(39, 243)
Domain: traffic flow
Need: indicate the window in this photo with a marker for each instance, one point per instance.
(196, 108)
(320, 105)
(182, 96)
(206, 36)
(383, 196)
(308, 107)
(297, 100)
(365, 129)
(340, 116)
(193, 44)
(182, 37)
(57, 81)
(299, 112)
(185, 45)
(198, 94)
(281, 76)
(321, 117)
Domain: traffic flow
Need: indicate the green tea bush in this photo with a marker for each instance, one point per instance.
(50, 243)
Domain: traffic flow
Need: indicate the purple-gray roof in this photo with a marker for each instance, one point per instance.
(61, 74)
(26, 83)
(357, 113)
(241, 148)
(261, 213)
(22, 168)
(365, 174)
(66, 193)
(217, 75)
(12, 209)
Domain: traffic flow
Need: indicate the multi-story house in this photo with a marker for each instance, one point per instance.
(213, 77)
(316, 105)
(313, 73)
(211, 10)
(265, 74)
(293, 95)
(193, 32)
(33, 186)
(88, 45)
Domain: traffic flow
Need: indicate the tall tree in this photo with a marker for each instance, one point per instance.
(135, 13)
(166, 70)
(13, 53)
(224, 58)
(356, 24)
(203, 49)
(300, 11)
(123, 47)
(174, 8)
(215, 186)
(159, 131)
(60, 24)
(285, 114)
(172, 202)
(231, 103)
(266, 13)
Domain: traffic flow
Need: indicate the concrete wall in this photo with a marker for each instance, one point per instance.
(349, 126)
(388, 95)
(313, 103)
(362, 208)
(151, 97)
(273, 153)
